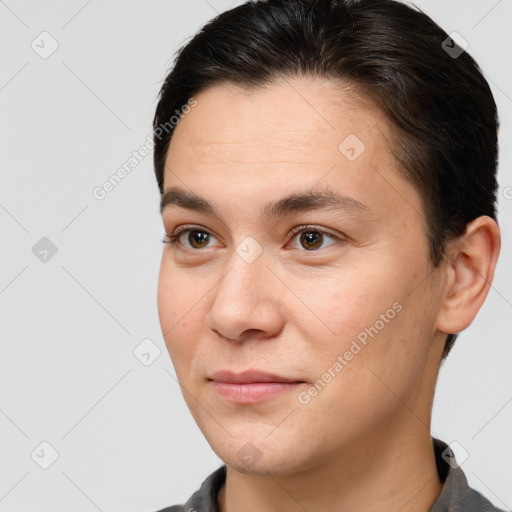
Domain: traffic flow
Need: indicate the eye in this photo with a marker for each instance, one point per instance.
(312, 238)
(197, 238)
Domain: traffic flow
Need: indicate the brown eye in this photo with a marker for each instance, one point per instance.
(311, 239)
(197, 239)
(189, 239)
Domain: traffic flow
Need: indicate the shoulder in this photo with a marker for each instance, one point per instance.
(480, 503)
(456, 494)
(204, 499)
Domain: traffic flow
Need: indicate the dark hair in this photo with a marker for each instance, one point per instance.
(433, 93)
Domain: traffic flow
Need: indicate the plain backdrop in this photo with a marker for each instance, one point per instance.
(78, 275)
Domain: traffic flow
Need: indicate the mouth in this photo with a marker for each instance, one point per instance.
(251, 386)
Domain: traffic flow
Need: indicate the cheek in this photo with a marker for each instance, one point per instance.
(179, 295)
(178, 311)
(367, 315)
(348, 301)
(168, 292)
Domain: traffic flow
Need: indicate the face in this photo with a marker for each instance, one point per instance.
(297, 302)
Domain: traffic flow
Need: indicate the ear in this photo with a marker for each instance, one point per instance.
(471, 261)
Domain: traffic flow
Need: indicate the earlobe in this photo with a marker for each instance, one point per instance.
(470, 269)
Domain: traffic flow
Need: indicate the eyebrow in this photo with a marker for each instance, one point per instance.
(325, 199)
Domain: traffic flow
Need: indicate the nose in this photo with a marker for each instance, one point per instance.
(247, 301)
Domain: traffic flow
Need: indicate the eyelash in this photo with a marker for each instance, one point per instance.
(172, 240)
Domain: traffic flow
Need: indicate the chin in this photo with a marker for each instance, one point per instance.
(256, 455)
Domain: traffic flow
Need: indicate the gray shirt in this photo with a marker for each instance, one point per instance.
(456, 495)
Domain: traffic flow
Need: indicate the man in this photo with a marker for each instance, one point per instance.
(328, 198)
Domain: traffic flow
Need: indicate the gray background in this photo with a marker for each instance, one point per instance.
(69, 324)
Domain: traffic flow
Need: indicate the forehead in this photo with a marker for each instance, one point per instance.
(304, 117)
(290, 136)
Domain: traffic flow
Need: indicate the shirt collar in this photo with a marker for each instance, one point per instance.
(456, 495)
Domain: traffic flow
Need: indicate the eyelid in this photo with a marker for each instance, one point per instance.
(319, 229)
(190, 227)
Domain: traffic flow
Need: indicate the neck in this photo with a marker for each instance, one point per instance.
(393, 471)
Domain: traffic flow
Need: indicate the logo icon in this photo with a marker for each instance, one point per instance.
(44, 455)
(352, 147)
(44, 45)
(249, 454)
(448, 454)
(44, 250)
(455, 45)
(147, 352)
(249, 249)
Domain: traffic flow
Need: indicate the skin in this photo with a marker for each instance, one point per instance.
(365, 437)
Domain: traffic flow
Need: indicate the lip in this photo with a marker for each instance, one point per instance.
(251, 386)
(249, 377)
